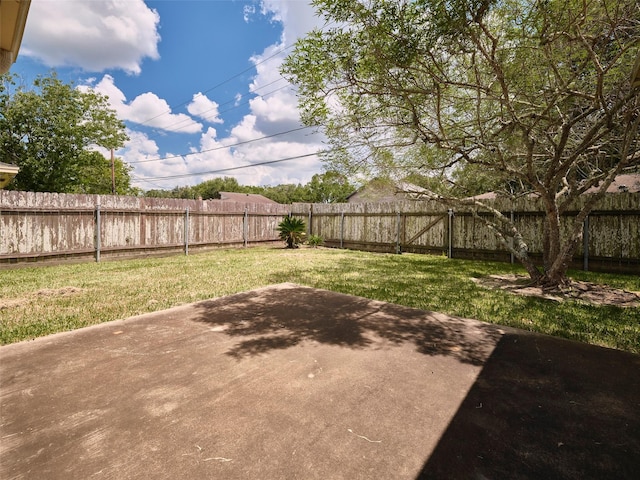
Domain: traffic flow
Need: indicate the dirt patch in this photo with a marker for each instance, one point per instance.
(57, 292)
(6, 303)
(591, 293)
(45, 292)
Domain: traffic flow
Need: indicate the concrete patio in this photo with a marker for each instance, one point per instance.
(292, 382)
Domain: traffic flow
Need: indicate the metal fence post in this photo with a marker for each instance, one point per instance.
(186, 231)
(585, 244)
(450, 252)
(512, 257)
(398, 247)
(245, 227)
(98, 229)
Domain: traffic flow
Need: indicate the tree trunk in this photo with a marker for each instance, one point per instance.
(556, 275)
(551, 233)
(531, 269)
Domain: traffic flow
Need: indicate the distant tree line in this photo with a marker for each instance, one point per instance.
(328, 187)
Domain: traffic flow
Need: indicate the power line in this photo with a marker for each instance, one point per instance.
(138, 179)
(171, 108)
(210, 172)
(188, 121)
(218, 148)
(235, 99)
(283, 49)
(264, 95)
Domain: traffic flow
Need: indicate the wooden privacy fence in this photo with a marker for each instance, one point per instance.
(47, 226)
(611, 238)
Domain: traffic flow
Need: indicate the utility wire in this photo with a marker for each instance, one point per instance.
(210, 172)
(264, 95)
(188, 121)
(139, 179)
(287, 47)
(218, 148)
(283, 49)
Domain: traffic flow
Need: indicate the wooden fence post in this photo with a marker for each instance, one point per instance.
(341, 229)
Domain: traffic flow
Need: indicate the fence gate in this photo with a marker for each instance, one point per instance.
(431, 224)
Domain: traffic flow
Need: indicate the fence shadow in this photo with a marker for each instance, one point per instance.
(286, 315)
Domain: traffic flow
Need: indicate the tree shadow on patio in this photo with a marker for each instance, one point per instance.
(286, 315)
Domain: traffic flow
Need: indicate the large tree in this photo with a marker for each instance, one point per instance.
(98, 175)
(211, 188)
(51, 130)
(329, 187)
(536, 95)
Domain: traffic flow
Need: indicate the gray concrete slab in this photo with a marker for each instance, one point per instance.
(294, 382)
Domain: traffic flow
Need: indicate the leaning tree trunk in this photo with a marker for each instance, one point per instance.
(551, 232)
(556, 275)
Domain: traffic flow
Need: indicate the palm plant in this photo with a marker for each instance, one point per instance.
(292, 231)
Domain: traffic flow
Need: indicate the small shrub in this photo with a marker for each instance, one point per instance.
(315, 240)
(292, 231)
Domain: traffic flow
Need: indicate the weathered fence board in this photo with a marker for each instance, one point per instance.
(36, 226)
(611, 243)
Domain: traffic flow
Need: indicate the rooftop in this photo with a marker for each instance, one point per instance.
(244, 198)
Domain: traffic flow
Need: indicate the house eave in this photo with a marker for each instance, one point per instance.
(7, 172)
(13, 19)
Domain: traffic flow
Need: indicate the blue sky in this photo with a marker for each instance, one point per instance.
(196, 81)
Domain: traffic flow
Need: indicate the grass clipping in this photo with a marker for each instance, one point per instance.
(590, 293)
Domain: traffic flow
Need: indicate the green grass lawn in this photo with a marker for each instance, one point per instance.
(39, 301)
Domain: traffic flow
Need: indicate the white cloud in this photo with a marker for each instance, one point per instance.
(256, 153)
(139, 147)
(147, 109)
(246, 129)
(248, 11)
(272, 113)
(275, 111)
(212, 155)
(204, 108)
(92, 35)
(149, 166)
(150, 110)
(297, 18)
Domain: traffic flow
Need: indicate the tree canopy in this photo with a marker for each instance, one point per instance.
(51, 130)
(328, 187)
(527, 96)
